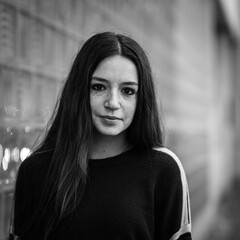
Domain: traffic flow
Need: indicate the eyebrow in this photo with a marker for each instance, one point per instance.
(130, 83)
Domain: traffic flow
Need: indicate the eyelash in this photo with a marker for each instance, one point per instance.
(100, 87)
(129, 91)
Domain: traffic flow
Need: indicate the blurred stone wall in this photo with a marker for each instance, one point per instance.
(194, 68)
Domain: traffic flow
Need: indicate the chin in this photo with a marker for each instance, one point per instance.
(110, 132)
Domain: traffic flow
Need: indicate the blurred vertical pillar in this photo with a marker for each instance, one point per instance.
(231, 9)
(237, 102)
(237, 96)
(222, 108)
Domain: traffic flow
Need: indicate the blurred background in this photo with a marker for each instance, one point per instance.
(193, 47)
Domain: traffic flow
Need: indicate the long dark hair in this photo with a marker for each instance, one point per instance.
(70, 130)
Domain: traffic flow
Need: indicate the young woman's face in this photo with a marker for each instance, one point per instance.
(113, 95)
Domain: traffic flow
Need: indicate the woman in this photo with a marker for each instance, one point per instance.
(102, 171)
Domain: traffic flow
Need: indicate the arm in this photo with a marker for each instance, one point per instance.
(173, 215)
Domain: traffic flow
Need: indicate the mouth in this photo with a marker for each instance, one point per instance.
(111, 118)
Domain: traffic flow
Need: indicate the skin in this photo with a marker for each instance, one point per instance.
(113, 100)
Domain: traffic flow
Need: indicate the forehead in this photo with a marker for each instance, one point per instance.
(116, 68)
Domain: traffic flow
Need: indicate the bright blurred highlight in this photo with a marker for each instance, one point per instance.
(24, 153)
(1, 154)
(15, 154)
(6, 159)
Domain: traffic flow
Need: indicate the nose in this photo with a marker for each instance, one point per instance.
(112, 101)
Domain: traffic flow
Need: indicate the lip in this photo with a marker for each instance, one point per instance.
(111, 118)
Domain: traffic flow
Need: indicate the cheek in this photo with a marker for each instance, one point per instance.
(94, 102)
(131, 108)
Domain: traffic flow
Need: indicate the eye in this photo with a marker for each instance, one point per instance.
(129, 91)
(98, 87)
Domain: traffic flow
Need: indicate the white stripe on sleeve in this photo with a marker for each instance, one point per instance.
(186, 212)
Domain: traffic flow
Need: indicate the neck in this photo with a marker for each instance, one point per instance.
(108, 146)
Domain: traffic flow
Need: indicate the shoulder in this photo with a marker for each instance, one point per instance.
(36, 162)
(164, 157)
(32, 173)
(176, 189)
(165, 152)
(168, 163)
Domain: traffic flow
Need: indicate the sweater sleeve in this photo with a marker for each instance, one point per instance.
(174, 208)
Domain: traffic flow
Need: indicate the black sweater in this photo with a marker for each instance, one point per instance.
(129, 196)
